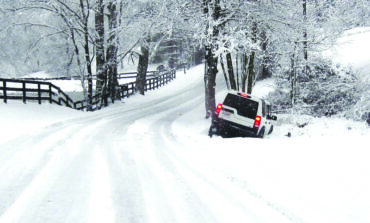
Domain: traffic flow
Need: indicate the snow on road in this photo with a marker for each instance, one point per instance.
(149, 159)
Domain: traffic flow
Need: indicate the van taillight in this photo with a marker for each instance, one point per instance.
(244, 95)
(257, 122)
(218, 109)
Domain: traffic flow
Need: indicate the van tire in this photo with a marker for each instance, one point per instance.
(210, 133)
(261, 134)
(212, 130)
(271, 129)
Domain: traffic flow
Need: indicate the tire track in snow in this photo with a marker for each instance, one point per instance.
(209, 197)
(127, 189)
(23, 166)
(180, 198)
(210, 182)
(247, 187)
(166, 196)
(89, 190)
(65, 154)
(60, 153)
(101, 208)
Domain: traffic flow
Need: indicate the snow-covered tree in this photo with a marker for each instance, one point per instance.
(31, 41)
(251, 39)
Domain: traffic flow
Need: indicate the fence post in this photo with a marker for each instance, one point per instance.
(50, 94)
(59, 98)
(69, 100)
(4, 91)
(24, 92)
(39, 92)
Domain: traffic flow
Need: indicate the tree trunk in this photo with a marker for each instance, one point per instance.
(251, 72)
(265, 71)
(230, 69)
(237, 72)
(87, 54)
(89, 72)
(293, 80)
(112, 62)
(244, 72)
(211, 59)
(293, 74)
(101, 75)
(82, 75)
(305, 41)
(210, 81)
(142, 70)
(224, 71)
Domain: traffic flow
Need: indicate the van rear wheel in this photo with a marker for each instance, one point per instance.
(212, 131)
(261, 134)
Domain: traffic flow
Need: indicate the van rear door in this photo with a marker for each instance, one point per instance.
(243, 110)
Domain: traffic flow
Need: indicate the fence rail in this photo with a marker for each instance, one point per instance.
(125, 90)
(76, 77)
(11, 89)
(31, 90)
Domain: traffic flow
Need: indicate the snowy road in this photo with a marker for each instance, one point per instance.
(125, 165)
(122, 166)
(150, 160)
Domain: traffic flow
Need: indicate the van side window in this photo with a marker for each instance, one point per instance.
(263, 108)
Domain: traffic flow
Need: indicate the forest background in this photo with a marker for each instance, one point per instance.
(244, 40)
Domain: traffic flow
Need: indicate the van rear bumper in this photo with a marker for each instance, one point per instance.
(224, 126)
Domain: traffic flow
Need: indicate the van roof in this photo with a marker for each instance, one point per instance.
(243, 94)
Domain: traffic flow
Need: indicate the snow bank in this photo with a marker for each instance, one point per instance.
(19, 119)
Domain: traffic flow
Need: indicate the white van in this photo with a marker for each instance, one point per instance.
(242, 114)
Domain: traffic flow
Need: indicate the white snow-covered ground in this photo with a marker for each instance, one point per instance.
(149, 159)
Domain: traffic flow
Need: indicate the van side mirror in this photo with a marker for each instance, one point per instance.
(272, 117)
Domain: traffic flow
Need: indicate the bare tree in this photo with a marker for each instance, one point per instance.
(101, 75)
(212, 11)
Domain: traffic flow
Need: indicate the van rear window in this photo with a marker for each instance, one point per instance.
(244, 106)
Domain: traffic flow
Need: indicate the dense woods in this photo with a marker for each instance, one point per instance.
(242, 40)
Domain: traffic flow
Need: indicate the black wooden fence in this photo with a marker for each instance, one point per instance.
(11, 89)
(150, 74)
(154, 81)
(37, 91)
